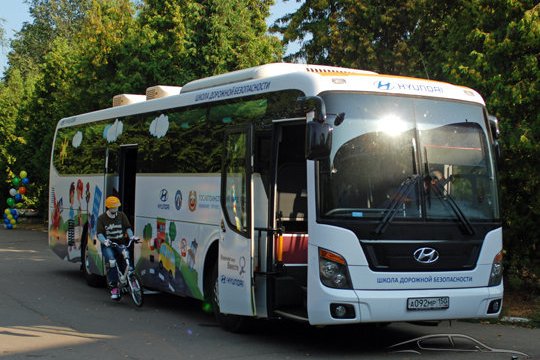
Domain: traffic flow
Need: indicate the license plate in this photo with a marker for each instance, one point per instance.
(428, 303)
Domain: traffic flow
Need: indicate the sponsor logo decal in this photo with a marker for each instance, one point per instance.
(407, 87)
(178, 200)
(163, 197)
(192, 200)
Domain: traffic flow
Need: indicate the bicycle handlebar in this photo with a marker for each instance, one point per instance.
(134, 239)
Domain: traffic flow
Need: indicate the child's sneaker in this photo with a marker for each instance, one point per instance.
(115, 293)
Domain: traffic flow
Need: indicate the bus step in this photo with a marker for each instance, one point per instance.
(293, 314)
(150, 292)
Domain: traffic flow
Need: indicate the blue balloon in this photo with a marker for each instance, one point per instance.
(18, 197)
(9, 226)
(26, 181)
(14, 212)
(6, 221)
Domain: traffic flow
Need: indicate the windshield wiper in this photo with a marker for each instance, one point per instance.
(444, 194)
(402, 194)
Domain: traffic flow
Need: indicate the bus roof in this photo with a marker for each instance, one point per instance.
(266, 71)
(312, 79)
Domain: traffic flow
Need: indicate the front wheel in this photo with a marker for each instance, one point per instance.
(135, 289)
(232, 323)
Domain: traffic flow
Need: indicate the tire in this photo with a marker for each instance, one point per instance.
(232, 323)
(136, 290)
(91, 278)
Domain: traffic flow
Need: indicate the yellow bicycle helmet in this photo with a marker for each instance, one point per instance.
(112, 202)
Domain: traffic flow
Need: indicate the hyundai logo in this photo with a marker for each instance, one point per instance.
(426, 255)
(164, 195)
(384, 86)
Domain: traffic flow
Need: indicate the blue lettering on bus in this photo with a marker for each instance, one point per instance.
(424, 279)
(233, 91)
(388, 86)
(231, 281)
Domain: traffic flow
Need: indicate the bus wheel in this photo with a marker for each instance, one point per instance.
(232, 323)
(91, 278)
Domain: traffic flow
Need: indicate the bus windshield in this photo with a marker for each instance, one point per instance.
(415, 157)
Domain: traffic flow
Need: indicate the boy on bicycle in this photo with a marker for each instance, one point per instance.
(112, 226)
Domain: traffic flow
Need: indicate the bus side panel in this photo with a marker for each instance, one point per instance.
(74, 202)
(176, 217)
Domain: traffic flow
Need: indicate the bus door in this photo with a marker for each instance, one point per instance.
(287, 248)
(236, 248)
(127, 169)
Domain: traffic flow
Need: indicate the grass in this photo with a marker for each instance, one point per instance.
(522, 296)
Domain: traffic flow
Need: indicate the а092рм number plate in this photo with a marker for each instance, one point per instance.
(428, 303)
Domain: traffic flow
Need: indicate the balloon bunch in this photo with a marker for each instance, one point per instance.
(17, 193)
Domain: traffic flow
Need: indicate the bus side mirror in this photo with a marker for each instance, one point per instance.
(318, 132)
(318, 140)
(313, 107)
(495, 133)
(494, 127)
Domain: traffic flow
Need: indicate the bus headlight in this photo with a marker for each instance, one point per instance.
(496, 274)
(333, 270)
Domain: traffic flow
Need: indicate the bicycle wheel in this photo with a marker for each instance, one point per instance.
(135, 289)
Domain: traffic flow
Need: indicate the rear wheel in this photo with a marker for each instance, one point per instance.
(232, 323)
(91, 278)
(136, 290)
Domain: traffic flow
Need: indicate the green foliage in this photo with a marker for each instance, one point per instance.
(385, 36)
(75, 55)
(494, 46)
(2, 35)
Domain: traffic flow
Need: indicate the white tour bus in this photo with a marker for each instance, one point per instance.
(316, 193)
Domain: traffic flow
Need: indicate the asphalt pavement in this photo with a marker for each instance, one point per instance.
(47, 311)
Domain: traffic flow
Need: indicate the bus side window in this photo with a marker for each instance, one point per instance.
(292, 193)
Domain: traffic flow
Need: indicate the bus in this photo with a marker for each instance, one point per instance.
(316, 193)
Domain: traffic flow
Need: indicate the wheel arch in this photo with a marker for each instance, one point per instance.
(209, 262)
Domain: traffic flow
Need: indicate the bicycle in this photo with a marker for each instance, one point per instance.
(128, 280)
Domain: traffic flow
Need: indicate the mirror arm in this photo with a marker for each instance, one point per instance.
(315, 104)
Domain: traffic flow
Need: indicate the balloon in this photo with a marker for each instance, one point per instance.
(6, 221)
(14, 212)
(18, 197)
(10, 202)
(23, 174)
(9, 226)
(13, 221)
(7, 211)
(9, 216)
(26, 181)
(16, 181)
(22, 190)
(12, 192)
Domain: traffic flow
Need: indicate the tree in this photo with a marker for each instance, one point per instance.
(385, 36)
(498, 53)
(11, 93)
(192, 39)
(79, 53)
(2, 35)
